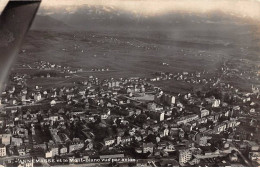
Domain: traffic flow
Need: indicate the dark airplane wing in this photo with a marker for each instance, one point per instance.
(15, 21)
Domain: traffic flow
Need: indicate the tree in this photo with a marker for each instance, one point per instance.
(151, 138)
(142, 118)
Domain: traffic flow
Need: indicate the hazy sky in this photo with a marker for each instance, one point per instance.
(2, 5)
(248, 9)
(240, 8)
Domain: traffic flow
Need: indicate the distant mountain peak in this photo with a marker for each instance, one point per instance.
(47, 22)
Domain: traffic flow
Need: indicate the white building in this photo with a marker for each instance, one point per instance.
(166, 132)
(6, 139)
(216, 103)
(185, 156)
(162, 116)
(2, 150)
(187, 119)
(109, 141)
(48, 154)
(37, 97)
(169, 99)
(204, 113)
(53, 102)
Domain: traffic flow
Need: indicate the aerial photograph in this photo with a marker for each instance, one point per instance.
(129, 83)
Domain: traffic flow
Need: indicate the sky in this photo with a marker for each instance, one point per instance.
(2, 5)
(247, 9)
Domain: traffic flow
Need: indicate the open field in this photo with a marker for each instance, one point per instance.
(139, 53)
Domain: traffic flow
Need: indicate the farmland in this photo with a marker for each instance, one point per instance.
(140, 53)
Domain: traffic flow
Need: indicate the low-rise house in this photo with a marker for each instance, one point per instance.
(21, 132)
(148, 147)
(220, 128)
(109, 141)
(202, 139)
(53, 148)
(169, 147)
(48, 154)
(194, 161)
(233, 157)
(254, 156)
(21, 150)
(76, 145)
(89, 145)
(253, 146)
(138, 138)
(161, 145)
(40, 146)
(204, 113)
(16, 141)
(63, 150)
(126, 140)
(202, 120)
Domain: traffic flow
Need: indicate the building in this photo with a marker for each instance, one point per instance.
(76, 145)
(2, 150)
(148, 147)
(89, 145)
(151, 106)
(201, 139)
(187, 119)
(220, 128)
(113, 84)
(209, 154)
(55, 136)
(16, 141)
(181, 133)
(166, 132)
(6, 138)
(126, 139)
(12, 102)
(109, 141)
(194, 161)
(216, 103)
(253, 146)
(254, 156)
(159, 116)
(204, 113)
(184, 156)
(169, 147)
(233, 157)
(231, 123)
(168, 99)
(37, 97)
(53, 102)
(63, 150)
(21, 150)
(53, 149)
(48, 154)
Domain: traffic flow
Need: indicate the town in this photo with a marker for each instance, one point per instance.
(130, 122)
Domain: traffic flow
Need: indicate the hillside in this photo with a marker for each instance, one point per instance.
(46, 22)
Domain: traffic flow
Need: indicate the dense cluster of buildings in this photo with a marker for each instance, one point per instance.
(130, 119)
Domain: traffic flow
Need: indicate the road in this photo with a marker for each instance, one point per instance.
(241, 155)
